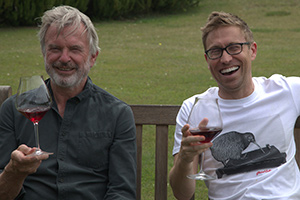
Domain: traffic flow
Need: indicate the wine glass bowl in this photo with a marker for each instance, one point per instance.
(208, 132)
(33, 101)
(205, 120)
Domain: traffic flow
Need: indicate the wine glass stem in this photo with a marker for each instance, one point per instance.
(202, 160)
(36, 133)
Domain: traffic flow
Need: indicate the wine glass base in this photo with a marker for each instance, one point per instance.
(39, 152)
(201, 176)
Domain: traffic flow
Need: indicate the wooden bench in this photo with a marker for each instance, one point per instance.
(162, 116)
(5, 92)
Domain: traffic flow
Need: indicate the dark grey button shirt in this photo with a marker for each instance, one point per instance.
(94, 148)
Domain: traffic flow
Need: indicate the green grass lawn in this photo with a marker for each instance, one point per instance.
(159, 59)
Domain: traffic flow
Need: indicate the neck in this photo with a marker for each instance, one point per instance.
(236, 93)
(62, 95)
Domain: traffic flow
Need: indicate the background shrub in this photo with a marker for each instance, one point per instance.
(25, 12)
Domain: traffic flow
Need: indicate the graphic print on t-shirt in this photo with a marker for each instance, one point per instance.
(229, 149)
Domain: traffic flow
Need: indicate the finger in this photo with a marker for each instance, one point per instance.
(202, 146)
(42, 156)
(31, 152)
(196, 149)
(203, 123)
(185, 130)
(192, 139)
(188, 153)
(25, 149)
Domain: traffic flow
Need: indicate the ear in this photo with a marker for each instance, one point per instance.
(93, 58)
(206, 58)
(253, 49)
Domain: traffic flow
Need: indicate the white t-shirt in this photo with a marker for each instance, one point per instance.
(268, 115)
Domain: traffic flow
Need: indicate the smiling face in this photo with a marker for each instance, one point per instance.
(232, 72)
(67, 57)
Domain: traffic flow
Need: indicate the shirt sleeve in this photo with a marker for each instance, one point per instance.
(7, 133)
(294, 83)
(122, 158)
(181, 120)
(7, 136)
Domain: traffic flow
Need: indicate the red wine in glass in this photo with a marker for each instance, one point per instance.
(208, 132)
(34, 114)
(205, 119)
(33, 101)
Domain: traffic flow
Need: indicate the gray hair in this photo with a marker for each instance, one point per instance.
(63, 16)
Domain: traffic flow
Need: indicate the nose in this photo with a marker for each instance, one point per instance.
(225, 58)
(64, 58)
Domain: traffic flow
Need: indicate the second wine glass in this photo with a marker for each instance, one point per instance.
(33, 101)
(205, 120)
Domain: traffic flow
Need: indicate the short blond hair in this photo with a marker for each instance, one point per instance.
(218, 19)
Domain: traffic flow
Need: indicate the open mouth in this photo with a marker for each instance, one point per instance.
(230, 70)
(64, 69)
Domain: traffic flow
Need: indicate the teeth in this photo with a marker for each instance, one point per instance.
(65, 69)
(228, 70)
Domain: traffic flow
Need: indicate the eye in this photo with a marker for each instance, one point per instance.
(234, 48)
(76, 49)
(53, 48)
(215, 51)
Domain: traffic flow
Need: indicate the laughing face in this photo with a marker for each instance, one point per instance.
(67, 57)
(232, 72)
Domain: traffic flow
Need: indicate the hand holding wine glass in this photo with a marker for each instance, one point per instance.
(205, 120)
(33, 101)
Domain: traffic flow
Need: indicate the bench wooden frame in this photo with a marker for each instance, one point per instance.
(5, 92)
(162, 116)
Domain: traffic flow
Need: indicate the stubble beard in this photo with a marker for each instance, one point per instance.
(71, 80)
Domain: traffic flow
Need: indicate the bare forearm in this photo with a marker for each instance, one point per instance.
(186, 163)
(18, 168)
(10, 184)
(183, 188)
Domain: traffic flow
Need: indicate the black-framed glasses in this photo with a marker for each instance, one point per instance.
(231, 49)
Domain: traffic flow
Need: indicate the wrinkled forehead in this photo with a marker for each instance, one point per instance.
(67, 29)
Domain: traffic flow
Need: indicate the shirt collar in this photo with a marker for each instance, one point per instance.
(86, 92)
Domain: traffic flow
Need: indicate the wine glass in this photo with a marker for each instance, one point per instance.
(33, 101)
(205, 120)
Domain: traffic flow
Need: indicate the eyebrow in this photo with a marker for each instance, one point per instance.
(76, 47)
(218, 47)
(79, 47)
(52, 46)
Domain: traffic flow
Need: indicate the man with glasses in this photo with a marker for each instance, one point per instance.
(255, 110)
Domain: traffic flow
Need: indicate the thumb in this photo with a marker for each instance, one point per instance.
(203, 123)
(25, 149)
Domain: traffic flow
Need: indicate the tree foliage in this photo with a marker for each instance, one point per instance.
(25, 12)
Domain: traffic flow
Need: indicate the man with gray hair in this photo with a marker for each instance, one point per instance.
(90, 132)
